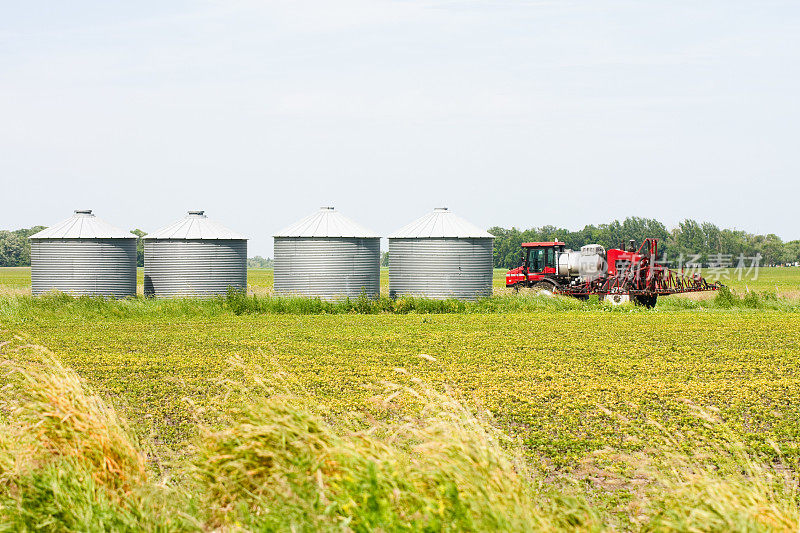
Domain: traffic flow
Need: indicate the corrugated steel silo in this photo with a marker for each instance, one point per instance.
(84, 255)
(440, 256)
(329, 256)
(194, 257)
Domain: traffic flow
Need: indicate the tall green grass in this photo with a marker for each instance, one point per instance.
(21, 308)
(277, 467)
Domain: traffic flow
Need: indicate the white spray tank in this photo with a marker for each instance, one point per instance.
(586, 265)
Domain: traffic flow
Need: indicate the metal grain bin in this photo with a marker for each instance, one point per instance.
(440, 256)
(84, 255)
(194, 257)
(329, 256)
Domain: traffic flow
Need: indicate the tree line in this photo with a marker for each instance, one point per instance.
(691, 242)
(260, 262)
(15, 248)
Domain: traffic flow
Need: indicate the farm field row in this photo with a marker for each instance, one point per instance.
(782, 281)
(546, 375)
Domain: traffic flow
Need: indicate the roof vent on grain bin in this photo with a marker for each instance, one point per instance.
(194, 257)
(440, 255)
(326, 255)
(84, 255)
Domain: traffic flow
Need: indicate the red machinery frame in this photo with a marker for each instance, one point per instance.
(639, 274)
(634, 273)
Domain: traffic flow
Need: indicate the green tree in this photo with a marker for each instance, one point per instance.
(791, 252)
(771, 249)
(15, 247)
(688, 242)
(712, 237)
(139, 246)
(12, 249)
(259, 262)
(506, 246)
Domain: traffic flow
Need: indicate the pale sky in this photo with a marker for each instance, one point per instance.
(511, 113)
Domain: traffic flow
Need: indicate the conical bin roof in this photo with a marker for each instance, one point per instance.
(441, 223)
(195, 226)
(83, 225)
(327, 222)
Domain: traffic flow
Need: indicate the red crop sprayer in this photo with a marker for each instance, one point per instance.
(620, 275)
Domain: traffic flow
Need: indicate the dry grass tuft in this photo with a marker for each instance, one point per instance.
(67, 461)
(53, 417)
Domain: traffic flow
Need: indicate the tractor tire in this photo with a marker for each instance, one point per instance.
(544, 286)
(646, 301)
